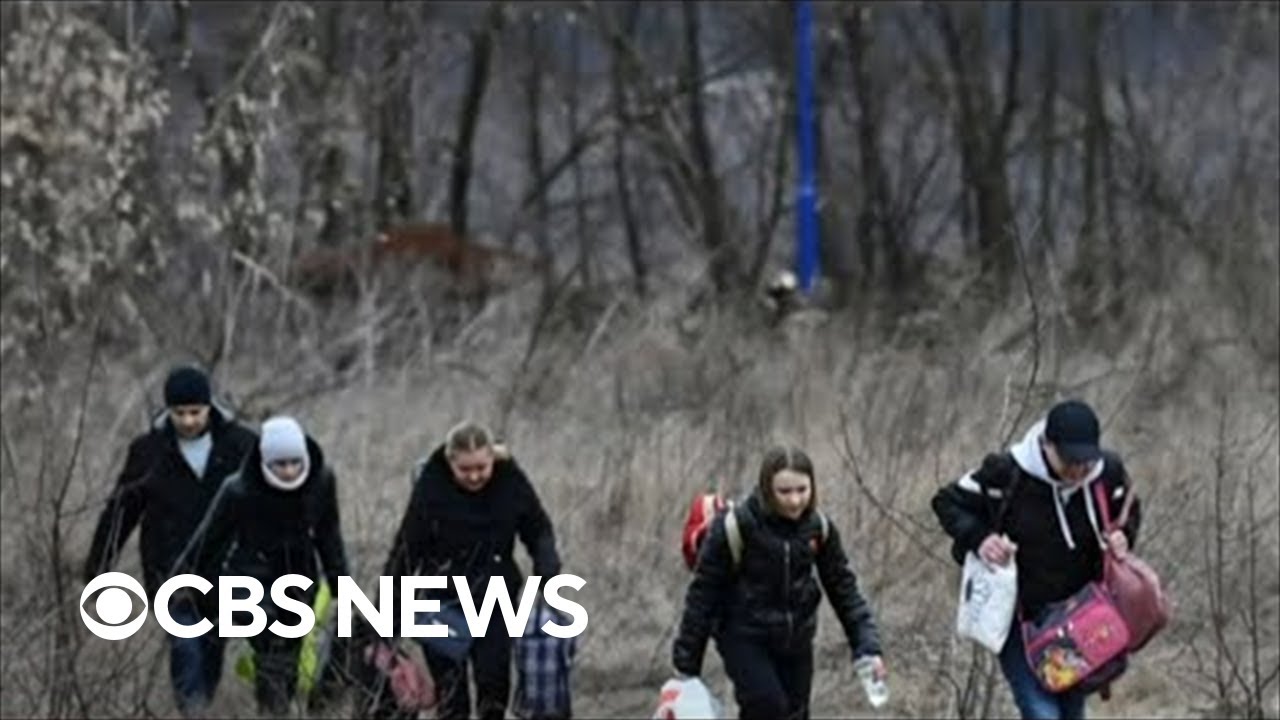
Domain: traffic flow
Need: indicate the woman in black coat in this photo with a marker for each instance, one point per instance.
(762, 607)
(470, 502)
(281, 512)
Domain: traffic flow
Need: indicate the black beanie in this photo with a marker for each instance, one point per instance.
(186, 386)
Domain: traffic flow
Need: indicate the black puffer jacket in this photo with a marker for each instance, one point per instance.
(264, 532)
(773, 595)
(449, 531)
(1058, 552)
(158, 488)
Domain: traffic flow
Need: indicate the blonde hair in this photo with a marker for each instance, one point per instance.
(469, 436)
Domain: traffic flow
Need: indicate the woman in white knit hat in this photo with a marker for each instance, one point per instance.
(282, 512)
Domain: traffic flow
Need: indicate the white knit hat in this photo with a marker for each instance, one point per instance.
(283, 439)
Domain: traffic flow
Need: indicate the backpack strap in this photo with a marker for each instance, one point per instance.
(733, 533)
(1015, 477)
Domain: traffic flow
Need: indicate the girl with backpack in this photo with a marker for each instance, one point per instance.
(755, 592)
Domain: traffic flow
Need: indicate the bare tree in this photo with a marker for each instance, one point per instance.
(322, 84)
(774, 179)
(1100, 265)
(882, 251)
(1047, 122)
(710, 194)
(533, 80)
(572, 101)
(393, 200)
(481, 41)
(618, 71)
(983, 121)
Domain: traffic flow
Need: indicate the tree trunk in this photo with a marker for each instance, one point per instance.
(836, 253)
(710, 199)
(1097, 253)
(571, 107)
(323, 167)
(984, 133)
(876, 233)
(783, 52)
(469, 117)
(630, 224)
(533, 101)
(394, 201)
(1048, 126)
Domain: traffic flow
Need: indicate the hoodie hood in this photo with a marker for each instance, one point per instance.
(282, 438)
(1028, 455)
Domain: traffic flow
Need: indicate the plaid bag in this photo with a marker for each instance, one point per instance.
(544, 666)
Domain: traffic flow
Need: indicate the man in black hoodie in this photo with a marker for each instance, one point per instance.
(1034, 505)
(470, 500)
(170, 475)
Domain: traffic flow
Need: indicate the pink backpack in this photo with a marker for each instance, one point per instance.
(1080, 642)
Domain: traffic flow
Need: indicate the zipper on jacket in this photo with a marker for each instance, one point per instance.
(786, 560)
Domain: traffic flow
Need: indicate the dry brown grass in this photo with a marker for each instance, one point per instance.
(620, 437)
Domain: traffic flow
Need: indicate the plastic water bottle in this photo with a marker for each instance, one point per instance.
(877, 690)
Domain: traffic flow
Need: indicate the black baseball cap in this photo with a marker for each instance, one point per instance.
(1072, 427)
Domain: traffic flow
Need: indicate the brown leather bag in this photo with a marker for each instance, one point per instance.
(1133, 584)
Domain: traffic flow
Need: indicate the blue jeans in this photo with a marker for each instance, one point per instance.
(195, 664)
(1033, 701)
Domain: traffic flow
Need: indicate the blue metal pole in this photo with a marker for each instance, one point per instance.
(807, 189)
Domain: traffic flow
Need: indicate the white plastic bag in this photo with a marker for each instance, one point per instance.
(988, 595)
(686, 699)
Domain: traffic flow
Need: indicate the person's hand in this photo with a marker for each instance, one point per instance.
(878, 669)
(380, 654)
(997, 549)
(1117, 543)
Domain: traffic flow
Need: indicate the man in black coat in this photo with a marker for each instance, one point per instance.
(170, 475)
(470, 500)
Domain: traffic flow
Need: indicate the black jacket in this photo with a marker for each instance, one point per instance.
(449, 531)
(158, 488)
(772, 596)
(1049, 567)
(264, 532)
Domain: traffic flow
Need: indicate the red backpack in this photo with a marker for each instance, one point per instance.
(697, 525)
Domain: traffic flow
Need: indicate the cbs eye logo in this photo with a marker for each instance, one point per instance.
(113, 605)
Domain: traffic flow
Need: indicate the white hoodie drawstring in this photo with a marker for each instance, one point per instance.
(1062, 518)
(1093, 517)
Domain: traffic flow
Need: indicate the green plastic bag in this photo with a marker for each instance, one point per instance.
(310, 657)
